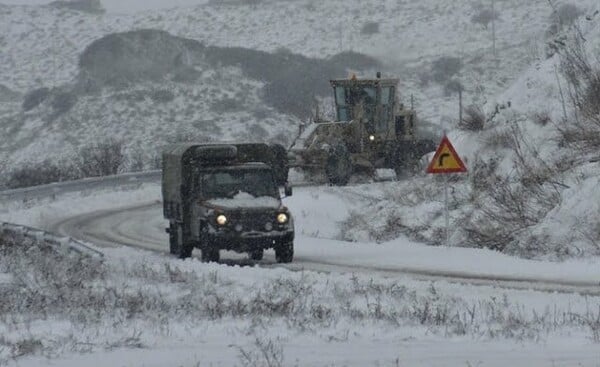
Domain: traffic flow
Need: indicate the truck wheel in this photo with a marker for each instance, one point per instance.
(256, 255)
(173, 236)
(285, 253)
(185, 250)
(338, 166)
(280, 164)
(210, 255)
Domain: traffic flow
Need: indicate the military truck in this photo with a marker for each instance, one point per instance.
(372, 130)
(227, 197)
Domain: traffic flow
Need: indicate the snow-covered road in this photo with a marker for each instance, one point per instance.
(141, 225)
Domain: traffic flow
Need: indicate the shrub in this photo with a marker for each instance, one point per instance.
(562, 17)
(225, 105)
(424, 78)
(62, 102)
(102, 159)
(35, 97)
(453, 86)
(7, 95)
(500, 138)
(444, 68)
(484, 17)
(583, 130)
(507, 206)
(162, 96)
(40, 174)
(473, 119)
(542, 118)
(590, 105)
(86, 6)
(370, 28)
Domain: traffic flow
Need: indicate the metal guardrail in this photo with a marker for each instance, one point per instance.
(55, 189)
(86, 184)
(59, 242)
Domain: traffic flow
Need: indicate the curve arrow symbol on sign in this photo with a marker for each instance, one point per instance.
(441, 160)
(445, 159)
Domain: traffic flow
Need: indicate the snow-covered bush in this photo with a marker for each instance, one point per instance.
(370, 28)
(510, 204)
(40, 174)
(87, 6)
(33, 98)
(473, 119)
(102, 159)
(131, 297)
(62, 101)
(484, 16)
(444, 68)
(162, 96)
(563, 16)
(583, 77)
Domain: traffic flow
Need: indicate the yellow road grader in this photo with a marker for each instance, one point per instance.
(372, 130)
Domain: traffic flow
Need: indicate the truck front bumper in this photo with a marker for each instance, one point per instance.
(247, 241)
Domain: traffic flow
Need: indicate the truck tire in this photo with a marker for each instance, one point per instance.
(185, 250)
(338, 166)
(173, 235)
(176, 245)
(210, 254)
(280, 164)
(256, 255)
(285, 253)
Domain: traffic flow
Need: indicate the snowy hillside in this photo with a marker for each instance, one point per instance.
(45, 44)
(532, 189)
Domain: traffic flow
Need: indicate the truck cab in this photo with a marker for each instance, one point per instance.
(225, 197)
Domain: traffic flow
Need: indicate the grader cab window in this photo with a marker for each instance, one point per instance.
(349, 97)
(366, 97)
(387, 102)
(343, 112)
(387, 95)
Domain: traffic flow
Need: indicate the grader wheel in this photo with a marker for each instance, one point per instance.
(338, 166)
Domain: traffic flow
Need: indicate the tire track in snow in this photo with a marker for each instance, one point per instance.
(142, 226)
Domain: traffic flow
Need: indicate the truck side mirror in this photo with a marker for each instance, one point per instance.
(287, 189)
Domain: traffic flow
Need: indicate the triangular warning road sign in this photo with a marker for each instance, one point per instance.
(446, 160)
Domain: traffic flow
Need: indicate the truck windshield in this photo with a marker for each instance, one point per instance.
(229, 183)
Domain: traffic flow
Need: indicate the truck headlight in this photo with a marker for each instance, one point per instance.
(221, 219)
(282, 218)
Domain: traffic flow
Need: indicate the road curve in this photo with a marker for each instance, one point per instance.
(142, 226)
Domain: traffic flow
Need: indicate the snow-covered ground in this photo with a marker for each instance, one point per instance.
(528, 191)
(191, 313)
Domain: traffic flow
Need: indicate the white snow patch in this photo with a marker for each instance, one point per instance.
(245, 200)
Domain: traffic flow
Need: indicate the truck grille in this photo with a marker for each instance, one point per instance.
(252, 221)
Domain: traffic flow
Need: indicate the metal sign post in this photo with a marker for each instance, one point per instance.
(446, 209)
(446, 161)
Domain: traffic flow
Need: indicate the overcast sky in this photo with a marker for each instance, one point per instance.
(123, 6)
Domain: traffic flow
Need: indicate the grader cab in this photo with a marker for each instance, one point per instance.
(372, 130)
